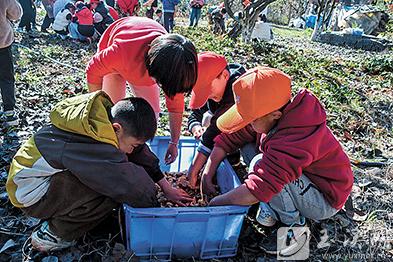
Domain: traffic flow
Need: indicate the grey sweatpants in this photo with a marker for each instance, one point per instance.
(299, 198)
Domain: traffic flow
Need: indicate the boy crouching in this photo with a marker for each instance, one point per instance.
(300, 169)
(90, 159)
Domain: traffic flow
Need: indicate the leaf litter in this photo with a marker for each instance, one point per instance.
(354, 86)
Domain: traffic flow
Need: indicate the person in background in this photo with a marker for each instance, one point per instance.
(102, 17)
(211, 96)
(110, 3)
(195, 14)
(27, 17)
(138, 50)
(151, 8)
(218, 17)
(113, 13)
(160, 18)
(59, 5)
(82, 27)
(128, 7)
(10, 11)
(49, 17)
(63, 20)
(169, 8)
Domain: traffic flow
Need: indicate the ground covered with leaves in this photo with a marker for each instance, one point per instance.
(354, 86)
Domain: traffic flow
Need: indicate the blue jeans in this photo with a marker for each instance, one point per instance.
(168, 21)
(194, 16)
(300, 198)
(73, 27)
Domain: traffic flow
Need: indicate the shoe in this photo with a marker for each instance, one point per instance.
(264, 216)
(63, 37)
(290, 240)
(45, 241)
(9, 118)
(19, 30)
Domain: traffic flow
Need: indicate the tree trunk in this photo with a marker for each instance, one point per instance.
(249, 15)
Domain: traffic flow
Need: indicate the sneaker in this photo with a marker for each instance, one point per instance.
(9, 118)
(296, 237)
(45, 241)
(264, 216)
(63, 37)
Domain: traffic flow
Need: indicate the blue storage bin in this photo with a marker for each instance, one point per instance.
(199, 232)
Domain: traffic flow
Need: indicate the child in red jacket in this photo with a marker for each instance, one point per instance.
(302, 172)
(139, 51)
(82, 27)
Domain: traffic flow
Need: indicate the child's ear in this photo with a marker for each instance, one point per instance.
(116, 126)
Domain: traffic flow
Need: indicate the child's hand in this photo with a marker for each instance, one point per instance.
(178, 196)
(171, 154)
(207, 186)
(192, 178)
(197, 131)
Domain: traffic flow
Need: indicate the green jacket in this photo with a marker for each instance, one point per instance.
(81, 139)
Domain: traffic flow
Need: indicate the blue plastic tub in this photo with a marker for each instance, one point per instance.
(199, 232)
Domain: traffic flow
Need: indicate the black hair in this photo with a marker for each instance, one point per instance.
(136, 116)
(172, 60)
(223, 10)
(158, 11)
(70, 6)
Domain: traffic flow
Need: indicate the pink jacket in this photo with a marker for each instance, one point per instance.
(301, 143)
(122, 50)
(10, 10)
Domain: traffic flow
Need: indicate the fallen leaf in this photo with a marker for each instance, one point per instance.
(10, 243)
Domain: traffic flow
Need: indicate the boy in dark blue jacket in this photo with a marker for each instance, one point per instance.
(169, 7)
(212, 94)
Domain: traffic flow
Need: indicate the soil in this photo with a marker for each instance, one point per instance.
(49, 70)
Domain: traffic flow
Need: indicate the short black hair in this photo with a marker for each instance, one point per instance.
(223, 10)
(136, 116)
(158, 11)
(172, 60)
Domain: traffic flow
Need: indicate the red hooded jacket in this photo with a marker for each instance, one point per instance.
(122, 50)
(84, 16)
(127, 6)
(301, 143)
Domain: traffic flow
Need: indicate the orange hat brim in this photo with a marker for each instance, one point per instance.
(231, 121)
(198, 100)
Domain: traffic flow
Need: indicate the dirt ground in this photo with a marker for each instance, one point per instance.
(48, 70)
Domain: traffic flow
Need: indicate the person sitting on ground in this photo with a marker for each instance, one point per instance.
(160, 18)
(82, 27)
(59, 5)
(211, 96)
(63, 19)
(102, 17)
(218, 17)
(300, 170)
(88, 161)
(10, 11)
